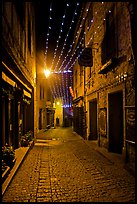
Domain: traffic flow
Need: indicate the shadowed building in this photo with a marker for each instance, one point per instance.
(18, 71)
(103, 77)
(45, 110)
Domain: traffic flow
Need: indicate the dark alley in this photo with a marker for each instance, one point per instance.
(68, 101)
(62, 167)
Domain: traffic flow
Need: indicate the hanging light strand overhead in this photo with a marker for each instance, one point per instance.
(71, 46)
(49, 28)
(59, 37)
(76, 54)
(65, 42)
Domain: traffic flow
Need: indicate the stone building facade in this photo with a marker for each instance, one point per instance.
(18, 71)
(104, 77)
(44, 109)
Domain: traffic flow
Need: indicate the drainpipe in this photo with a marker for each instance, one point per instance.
(98, 136)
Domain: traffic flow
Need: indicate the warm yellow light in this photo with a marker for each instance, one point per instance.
(47, 72)
(58, 103)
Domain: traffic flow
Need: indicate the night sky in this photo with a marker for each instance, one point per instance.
(59, 8)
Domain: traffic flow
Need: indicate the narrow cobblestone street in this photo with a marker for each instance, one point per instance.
(63, 167)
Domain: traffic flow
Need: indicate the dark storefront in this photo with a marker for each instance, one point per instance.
(17, 108)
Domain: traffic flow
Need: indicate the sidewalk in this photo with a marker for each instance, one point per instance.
(112, 157)
(20, 155)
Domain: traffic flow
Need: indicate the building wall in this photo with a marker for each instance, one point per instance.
(41, 81)
(18, 70)
(106, 84)
(44, 98)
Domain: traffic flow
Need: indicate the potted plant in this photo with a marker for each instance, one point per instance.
(8, 155)
(26, 139)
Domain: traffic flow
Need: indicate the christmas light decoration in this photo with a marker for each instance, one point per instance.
(64, 71)
(75, 13)
(49, 28)
(63, 19)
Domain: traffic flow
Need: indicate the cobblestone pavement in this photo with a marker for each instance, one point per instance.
(61, 167)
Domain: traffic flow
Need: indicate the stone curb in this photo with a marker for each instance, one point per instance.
(20, 155)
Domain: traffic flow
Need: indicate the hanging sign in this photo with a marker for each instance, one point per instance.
(86, 58)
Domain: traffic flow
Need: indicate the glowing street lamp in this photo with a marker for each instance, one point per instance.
(58, 103)
(47, 72)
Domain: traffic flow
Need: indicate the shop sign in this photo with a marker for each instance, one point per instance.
(86, 58)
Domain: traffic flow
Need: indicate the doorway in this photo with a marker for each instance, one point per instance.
(40, 118)
(115, 105)
(93, 119)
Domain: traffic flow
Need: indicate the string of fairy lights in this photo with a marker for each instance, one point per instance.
(49, 28)
(61, 30)
(59, 37)
(70, 27)
(69, 51)
(60, 88)
(65, 94)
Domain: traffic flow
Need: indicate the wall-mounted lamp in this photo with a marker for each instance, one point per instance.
(121, 77)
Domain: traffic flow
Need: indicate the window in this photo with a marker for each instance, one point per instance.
(109, 43)
(20, 9)
(29, 35)
(40, 92)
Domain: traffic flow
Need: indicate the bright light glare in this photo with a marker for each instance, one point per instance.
(46, 72)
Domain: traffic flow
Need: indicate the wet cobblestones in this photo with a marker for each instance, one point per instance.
(63, 168)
